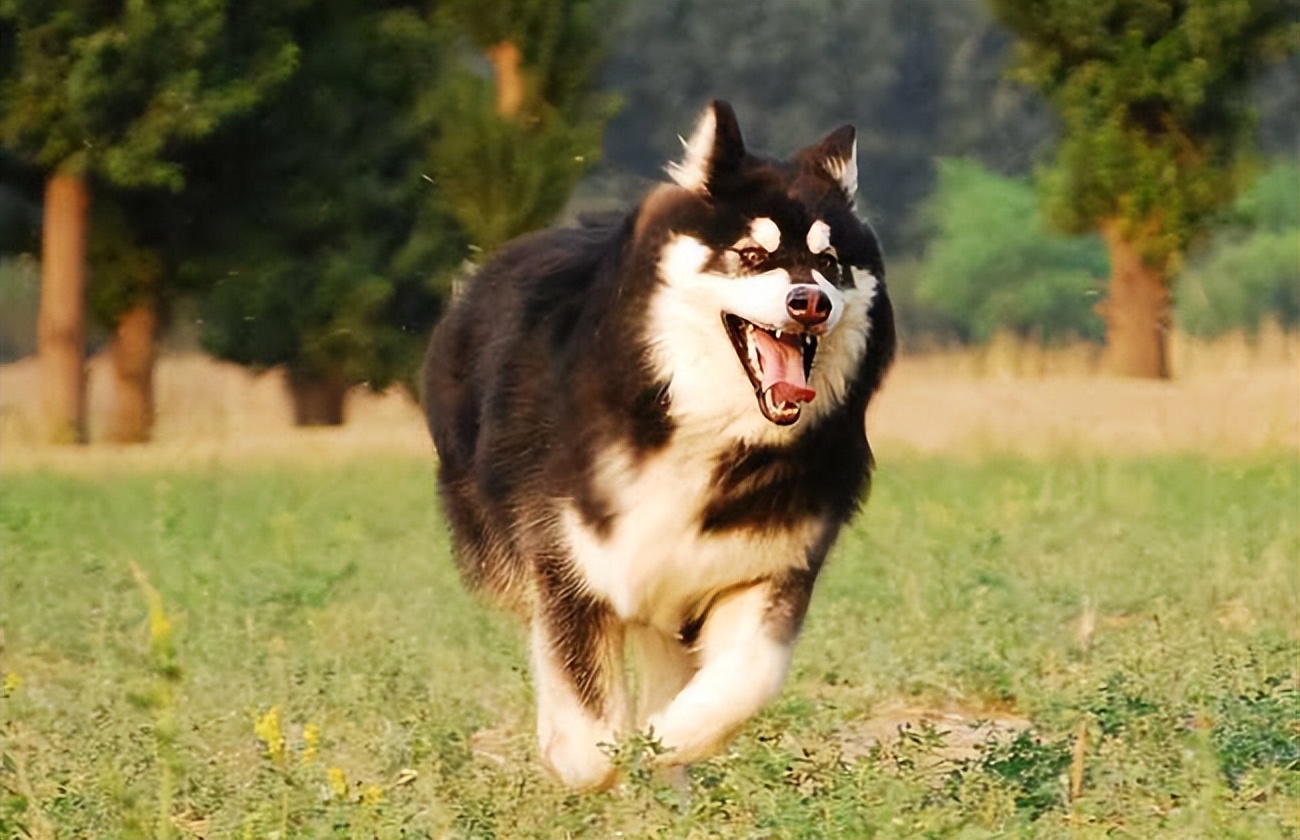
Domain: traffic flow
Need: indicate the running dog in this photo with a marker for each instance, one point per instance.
(651, 429)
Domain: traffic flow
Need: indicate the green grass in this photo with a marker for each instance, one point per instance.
(402, 708)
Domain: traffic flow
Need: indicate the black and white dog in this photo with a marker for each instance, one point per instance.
(651, 431)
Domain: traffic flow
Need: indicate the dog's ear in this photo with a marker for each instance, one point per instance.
(715, 148)
(837, 156)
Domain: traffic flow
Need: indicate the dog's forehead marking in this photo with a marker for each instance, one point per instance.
(819, 237)
(765, 232)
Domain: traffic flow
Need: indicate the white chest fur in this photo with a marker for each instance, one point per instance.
(653, 564)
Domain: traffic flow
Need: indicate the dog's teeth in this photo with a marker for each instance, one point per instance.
(778, 335)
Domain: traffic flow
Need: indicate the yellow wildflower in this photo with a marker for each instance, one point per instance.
(269, 733)
(338, 783)
(311, 741)
(372, 795)
(11, 683)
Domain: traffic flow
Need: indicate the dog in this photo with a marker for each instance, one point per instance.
(650, 430)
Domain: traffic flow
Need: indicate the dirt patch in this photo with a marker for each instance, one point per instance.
(1237, 399)
(956, 733)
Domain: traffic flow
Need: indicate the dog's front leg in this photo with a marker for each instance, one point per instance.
(577, 664)
(744, 652)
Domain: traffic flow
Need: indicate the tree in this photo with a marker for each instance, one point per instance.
(108, 92)
(1152, 99)
(992, 263)
(125, 296)
(516, 144)
(315, 215)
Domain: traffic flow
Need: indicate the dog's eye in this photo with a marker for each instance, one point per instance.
(828, 265)
(752, 257)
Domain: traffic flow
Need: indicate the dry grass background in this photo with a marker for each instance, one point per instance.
(1231, 396)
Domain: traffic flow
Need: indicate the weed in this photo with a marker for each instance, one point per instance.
(160, 700)
(1118, 706)
(635, 757)
(1259, 730)
(1031, 767)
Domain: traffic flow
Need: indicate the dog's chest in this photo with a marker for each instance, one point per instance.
(653, 562)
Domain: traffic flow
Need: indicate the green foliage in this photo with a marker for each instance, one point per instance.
(1258, 731)
(116, 90)
(1117, 705)
(312, 214)
(1249, 271)
(116, 93)
(1151, 95)
(1273, 201)
(1027, 768)
(561, 41)
(506, 174)
(125, 267)
(502, 178)
(992, 264)
(330, 218)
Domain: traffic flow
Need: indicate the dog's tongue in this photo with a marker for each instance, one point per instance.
(782, 369)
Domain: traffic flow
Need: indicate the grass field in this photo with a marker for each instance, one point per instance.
(284, 651)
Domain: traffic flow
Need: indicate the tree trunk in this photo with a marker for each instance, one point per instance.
(61, 319)
(133, 355)
(506, 59)
(317, 400)
(1136, 311)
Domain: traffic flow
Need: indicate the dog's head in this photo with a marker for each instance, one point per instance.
(767, 279)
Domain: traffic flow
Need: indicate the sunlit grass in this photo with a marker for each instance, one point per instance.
(311, 667)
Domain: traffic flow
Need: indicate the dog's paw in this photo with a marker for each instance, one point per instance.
(576, 761)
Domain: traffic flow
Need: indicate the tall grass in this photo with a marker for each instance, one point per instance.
(327, 677)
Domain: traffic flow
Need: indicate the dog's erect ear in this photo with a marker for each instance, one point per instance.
(837, 155)
(715, 147)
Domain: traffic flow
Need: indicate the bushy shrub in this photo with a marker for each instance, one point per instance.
(1249, 271)
(993, 264)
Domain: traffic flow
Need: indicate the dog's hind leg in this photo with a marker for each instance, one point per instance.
(664, 666)
(577, 664)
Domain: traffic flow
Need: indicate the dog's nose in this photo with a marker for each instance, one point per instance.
(808, 305)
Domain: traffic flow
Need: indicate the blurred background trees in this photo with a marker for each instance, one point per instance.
(303, 180)
(1250, 271)
(994, 264)
(515, 141)
(1152, 98)
(100, 94)
(310, 218)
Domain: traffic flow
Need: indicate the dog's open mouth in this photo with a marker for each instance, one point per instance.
(779, 364)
